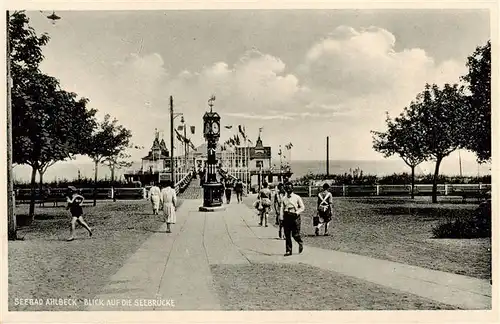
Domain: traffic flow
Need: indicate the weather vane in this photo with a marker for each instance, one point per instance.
(211, 102)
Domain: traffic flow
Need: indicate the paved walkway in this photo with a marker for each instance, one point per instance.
(160, 268)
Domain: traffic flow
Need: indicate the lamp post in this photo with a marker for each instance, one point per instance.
(172, 117)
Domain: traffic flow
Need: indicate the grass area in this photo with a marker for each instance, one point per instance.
(400, 230)
(44, 265)
(302, 287)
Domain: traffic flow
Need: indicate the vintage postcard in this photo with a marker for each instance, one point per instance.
(330, 161)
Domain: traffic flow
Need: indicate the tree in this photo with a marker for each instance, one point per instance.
(107, 143)
(478, 121)
(402, 138)
(69, 128)
(49, 125)
(440, 114)
(47, 122)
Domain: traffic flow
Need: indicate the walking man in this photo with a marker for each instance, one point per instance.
(325, 210)
(228, 190)
(291, 208)
(238, 188)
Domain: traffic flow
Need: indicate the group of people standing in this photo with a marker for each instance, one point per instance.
(166, 200)
(288, 207)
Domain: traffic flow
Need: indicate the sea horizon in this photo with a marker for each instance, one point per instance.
(68, 170)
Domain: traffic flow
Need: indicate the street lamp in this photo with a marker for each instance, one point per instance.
(172, 117)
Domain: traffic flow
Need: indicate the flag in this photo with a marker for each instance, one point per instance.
(249, 141)
(192, 129)
(180, 128)
(242, 131)
(229, 126)
(260, 129)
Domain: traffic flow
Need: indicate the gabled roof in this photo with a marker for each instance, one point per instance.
(156, 145)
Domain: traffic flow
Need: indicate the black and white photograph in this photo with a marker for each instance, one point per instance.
(256, 159)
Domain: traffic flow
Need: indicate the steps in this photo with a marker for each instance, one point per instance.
(193, 191)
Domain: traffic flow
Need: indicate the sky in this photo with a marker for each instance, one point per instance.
(301, 75)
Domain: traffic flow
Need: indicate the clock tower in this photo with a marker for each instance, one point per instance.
(212, 190)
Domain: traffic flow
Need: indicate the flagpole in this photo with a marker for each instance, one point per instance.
(460, 163)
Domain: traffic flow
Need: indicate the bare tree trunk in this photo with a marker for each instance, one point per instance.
(412, 182)
(435, 180)
(95, 182)
(33, 193)
(113, 181)
(42, 194)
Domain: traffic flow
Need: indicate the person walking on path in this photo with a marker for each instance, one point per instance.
(265, 202)
(278, 197)
(238, 188)
(228, 190)
(202, 176)
(168, 200)
(75, 202)
(325, 210)
(154, 196)
(291, 208)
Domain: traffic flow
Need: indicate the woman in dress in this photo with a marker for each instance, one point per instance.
(168, 199)
(154, 196)
(265, 200)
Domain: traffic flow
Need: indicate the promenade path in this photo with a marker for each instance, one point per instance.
(177, 265)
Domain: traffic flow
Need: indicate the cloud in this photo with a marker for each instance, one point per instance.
(259, 117)
(343, 86)
(359, 71)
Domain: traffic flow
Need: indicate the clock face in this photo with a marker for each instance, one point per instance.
(215, 128)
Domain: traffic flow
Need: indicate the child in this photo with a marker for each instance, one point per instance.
(75, 202)
(325, 210)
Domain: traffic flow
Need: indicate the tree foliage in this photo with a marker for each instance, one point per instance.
(108, 140)
(440, 115)
(478, 121)
(107, 145)
(402, 138)
(25, 46)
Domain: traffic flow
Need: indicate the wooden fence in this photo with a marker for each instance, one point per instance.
(58, 195)
(459, 190)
